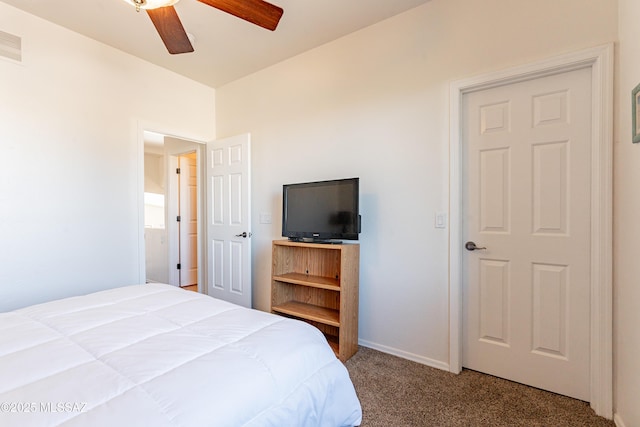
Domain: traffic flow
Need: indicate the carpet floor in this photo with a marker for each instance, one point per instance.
(398, 392)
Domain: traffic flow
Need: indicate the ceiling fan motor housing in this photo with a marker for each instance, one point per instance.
(151, 4)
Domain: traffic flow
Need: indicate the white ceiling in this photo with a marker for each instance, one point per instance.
(226, 48)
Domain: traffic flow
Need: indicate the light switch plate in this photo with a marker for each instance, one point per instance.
(265, 218)
(441, 220)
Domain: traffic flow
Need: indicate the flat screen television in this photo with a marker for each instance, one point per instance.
(322, 210)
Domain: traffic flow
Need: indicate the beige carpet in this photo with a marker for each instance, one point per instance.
(397, 392)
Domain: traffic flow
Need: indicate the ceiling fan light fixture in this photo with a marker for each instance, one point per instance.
(151, 4)
(167, 22)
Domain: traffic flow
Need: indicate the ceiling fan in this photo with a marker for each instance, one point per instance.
(175, 38)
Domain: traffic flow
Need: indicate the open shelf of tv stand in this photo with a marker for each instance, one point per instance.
(318, 283)
(302, 279)
(312, 312)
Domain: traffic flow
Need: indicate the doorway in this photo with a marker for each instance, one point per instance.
(172, 225)
(599, 62)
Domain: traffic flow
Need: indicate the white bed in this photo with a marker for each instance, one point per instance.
(155, 355)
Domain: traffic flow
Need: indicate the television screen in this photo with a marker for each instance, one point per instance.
(321, 210)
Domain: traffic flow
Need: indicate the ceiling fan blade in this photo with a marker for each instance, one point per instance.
(257, 12)
(171, 31)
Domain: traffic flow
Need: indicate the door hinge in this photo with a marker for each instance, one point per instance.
(178, 171)
(178, 218)
(178, 266)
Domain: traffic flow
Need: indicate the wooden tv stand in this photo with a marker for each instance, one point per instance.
(318, 283)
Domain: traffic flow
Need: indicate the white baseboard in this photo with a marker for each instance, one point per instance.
(618, 421)
(405, 355)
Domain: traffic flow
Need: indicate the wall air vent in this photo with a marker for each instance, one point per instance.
(10, 46)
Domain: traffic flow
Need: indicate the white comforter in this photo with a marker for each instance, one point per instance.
(155, 355)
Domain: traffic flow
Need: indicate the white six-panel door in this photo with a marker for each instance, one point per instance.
(526, 197)
(229, 219)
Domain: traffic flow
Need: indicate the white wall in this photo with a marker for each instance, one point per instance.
(375, 104)
(69, 187)
(627, 225)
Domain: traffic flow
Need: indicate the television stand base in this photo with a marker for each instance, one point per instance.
(312, 240)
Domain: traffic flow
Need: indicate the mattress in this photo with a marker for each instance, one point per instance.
(156, 355)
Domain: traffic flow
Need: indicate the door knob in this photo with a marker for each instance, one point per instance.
(471, 246)
(244, 234)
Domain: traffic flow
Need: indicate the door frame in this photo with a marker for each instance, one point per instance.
(600, 61)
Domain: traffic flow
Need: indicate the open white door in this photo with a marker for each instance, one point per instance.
(188, 224)
(229, 219)
(174, 150)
